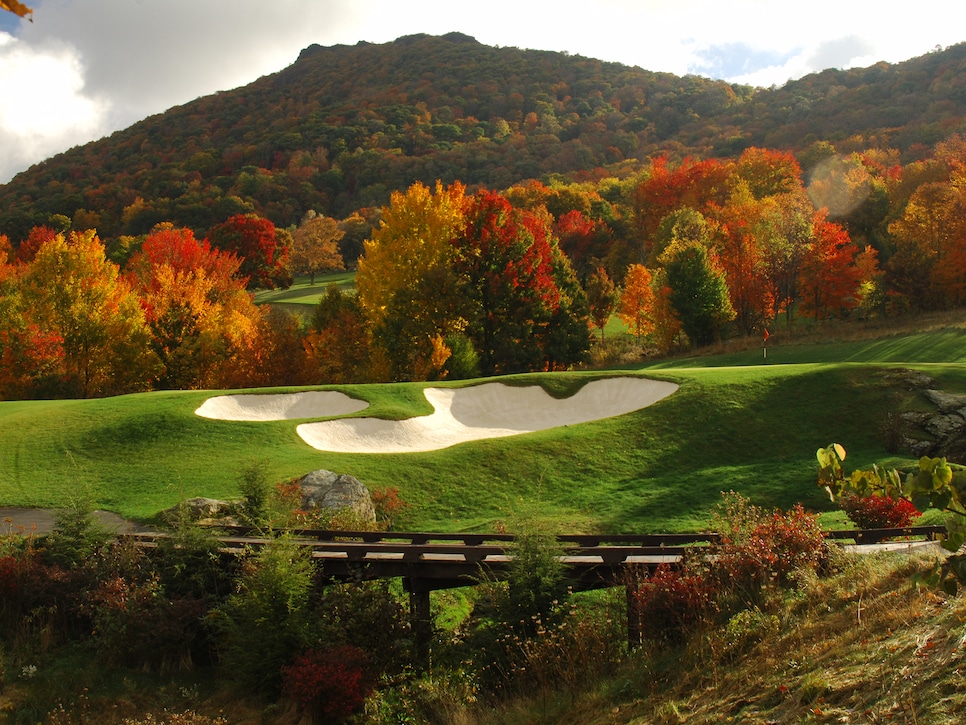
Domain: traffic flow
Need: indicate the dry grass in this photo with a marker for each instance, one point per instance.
(862, 646)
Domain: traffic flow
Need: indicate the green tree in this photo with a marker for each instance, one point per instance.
(699, 293)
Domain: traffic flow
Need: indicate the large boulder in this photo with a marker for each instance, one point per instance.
(336, 491)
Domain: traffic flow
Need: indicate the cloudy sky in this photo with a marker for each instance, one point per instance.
(85, 68)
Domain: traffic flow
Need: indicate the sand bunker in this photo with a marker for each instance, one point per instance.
(491, 410)
(286, 406)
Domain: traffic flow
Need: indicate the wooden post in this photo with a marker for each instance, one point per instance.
(421, 623)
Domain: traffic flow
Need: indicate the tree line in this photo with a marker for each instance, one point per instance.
(454, 283)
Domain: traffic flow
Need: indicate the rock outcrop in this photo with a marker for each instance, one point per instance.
(940, 432)
(320, 489)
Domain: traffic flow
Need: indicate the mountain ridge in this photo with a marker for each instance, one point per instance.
(343, 126)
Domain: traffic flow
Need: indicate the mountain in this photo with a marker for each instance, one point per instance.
(343, 126)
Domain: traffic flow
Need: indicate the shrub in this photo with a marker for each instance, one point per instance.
(667, 603)
(265, 620)
(388, 505)
(758, 549)
(878, 512)
(330, 683)
(367, 615)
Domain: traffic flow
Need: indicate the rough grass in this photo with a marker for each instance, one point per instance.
(860, 646)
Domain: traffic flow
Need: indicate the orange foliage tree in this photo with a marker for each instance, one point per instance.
(829, 278)
(636, 306)
(201, 318)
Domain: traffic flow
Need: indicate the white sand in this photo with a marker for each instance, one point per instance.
(491, 410)
(286, 406)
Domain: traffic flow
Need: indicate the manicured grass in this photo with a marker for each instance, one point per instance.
(303, 293)
(752, 428)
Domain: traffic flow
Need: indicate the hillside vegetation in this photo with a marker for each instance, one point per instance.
(343, 126)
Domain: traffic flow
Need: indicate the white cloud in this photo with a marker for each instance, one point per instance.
(45, 107)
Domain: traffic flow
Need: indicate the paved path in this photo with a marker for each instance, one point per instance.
(41, 521)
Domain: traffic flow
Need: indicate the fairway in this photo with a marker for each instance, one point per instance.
(750, 428)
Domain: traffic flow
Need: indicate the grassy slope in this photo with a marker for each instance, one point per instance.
(753, 428)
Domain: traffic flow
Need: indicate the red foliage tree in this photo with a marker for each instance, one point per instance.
(36, 238)
(506, 258)
(829, 279)
(696, 184)
(255, 241)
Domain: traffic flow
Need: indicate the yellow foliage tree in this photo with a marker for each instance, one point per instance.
(315, 247)
(406, 282)
(74, 291)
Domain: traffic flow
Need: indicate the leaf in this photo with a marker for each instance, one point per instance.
(16, 8)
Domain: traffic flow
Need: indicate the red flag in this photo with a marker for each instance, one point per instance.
(766, 335)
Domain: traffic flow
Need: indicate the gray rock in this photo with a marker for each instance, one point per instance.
(943, 426)
(336, 491)
(199, 509)
(946, 402)
(919, 448)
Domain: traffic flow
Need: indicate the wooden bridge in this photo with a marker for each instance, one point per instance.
(427, 562)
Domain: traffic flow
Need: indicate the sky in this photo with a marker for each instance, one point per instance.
(83, 69)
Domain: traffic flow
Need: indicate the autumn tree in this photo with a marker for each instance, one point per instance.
(16, 8)
(829, 279)
(930, 239)
(603, 297)
(35, 239)
(200, 315)
(75, 293)
(273, 354)
(578, 236)
(694, 184)
(31, 359)
(256, 242)
(767, 172)
(406, 281)
(741, 239)
(511, 271)
(315, 247)
(338, 346)
(636, 305)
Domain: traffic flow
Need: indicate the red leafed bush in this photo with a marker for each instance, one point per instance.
(878, 512)
(669, 601)
(761, 548)
(332, 683)
(388, 504)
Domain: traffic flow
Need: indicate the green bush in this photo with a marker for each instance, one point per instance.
(265, 621)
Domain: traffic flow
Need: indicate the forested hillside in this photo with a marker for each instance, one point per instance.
(498, 205)
(343, 126)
